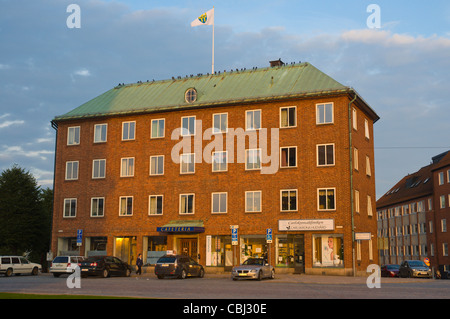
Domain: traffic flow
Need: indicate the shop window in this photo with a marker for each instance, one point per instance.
(157, 247)
(253, 246)
(219, 251)
(328, 250)
(290, 251)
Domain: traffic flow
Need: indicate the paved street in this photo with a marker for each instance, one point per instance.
(219, 286)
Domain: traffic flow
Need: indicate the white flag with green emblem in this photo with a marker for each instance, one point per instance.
(206, 18)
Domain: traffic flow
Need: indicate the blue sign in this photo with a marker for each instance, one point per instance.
(79, 237)
(234, 236)
(269, 235)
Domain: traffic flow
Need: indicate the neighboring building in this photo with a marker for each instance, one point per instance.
(122, 178)
(413, 215)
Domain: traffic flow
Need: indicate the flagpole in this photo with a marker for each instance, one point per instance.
(212, 70)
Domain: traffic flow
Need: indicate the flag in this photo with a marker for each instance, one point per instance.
(206, 18)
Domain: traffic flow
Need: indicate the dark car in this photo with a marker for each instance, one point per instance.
(390, 270)
(179, 266)
(104, 266)
(414, 268)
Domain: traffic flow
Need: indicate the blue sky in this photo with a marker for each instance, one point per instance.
(400, 69)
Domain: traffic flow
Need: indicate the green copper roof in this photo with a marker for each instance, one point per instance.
(218, 89)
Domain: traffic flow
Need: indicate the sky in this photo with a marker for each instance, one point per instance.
(400, 65)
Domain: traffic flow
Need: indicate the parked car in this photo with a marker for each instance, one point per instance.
(390, 270)
(104, 266)
(253, 268)
(414, 268)
(179, 266)
(10, 265)
(65, 265)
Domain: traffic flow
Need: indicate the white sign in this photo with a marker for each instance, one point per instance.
(305, 224)
(363, 236)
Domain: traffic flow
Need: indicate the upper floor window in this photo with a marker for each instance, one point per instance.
(97, 206)
(73, 135)
(288, 156)
(99, 168)
(253, 120)
(157, 128)
(326, 198)
(288, 116)
(366, 129)
(187, 163)
(70, 207)
(441, 178)
(187, 204)
(128, 130)
(100, 131)
(157, 165)
(253, 201)
(325, 155)
(220, 123)
(127, 167)
(219, 161)
(72, 170)
(188, 125)
(126, 206)
(324, 113)
(253, 159)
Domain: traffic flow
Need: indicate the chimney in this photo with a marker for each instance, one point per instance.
(276, 63)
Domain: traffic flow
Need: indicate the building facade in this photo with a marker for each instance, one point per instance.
(412, 217)
(275, 162)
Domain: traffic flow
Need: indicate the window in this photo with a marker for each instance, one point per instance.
(219, 203)
(355, 119)
(70, 207)
(328, 250)
(188, 126)
(253, 120)
(253, 201)
(369, 205)
(355, 158)
(126, 206)
(100, 131)
(442, 201)
(441, 178)
(97, 206)
(72, 170)
(190, 96)
(127, 167)
(326, 199)
(187, 163)
(289, 200)
(73, 135)
(128, 130)
(99, 168)
(357, 207)
(155, 205)
(368, 169)
(253, 159)
(157, 165)
(444, 225)
(187, 204)
(288, 116)
(366, 128)
(444, 249)
(324, 113)
(288, 156)
(157, 130)
(219, 161)
(325, 155)
(220, 123)
(448, 176)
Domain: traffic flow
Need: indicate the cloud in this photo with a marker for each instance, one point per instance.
(83, 72)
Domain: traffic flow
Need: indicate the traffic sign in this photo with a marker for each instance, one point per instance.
(79, 237)
(426, 260)
(269, 236)
(234, 236)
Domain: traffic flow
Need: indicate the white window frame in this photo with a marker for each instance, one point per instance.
(130, 129)
(73, 135)
(184, 165)
(254, 165)
(289, 200)
(441, 178)
(252, 126)
(326, 189)
(368, 167)
(366, 129)
(220, 129)
(355, 159)
(99, 138)
(157, 162)
(219, 164)
(355, 119)
(318, 113)
(72, 164)
(254, 209)
(357, 202)
(289, 151)
(128, 172)
(369, 206)
(157, 122)
(287, 116)
(94, 163)
(69, 214)
(218, 196)
(126, 198)
(187, 198)
(325, 154)
(155, 213)
(92, 207)
(183, 133)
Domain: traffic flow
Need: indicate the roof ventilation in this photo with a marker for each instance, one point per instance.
(276, 63)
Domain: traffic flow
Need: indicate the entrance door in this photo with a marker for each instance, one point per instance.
(189, 247)
(299, 254)
(125, 249)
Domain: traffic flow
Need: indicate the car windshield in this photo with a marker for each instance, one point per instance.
(417, 263)
(60, 259)
(253, 261)
(393, 267)
(166, 260)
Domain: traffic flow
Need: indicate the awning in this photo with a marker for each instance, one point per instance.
(182, 226)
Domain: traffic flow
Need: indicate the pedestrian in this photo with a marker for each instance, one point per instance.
(139, 265)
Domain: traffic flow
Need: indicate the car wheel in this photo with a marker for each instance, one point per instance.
(272, 274)
(9, 272)
(183, 274)
(128, 273)
(35, 271)
(105, 273)
(160, 276)
(201, 274)
(259, 275)
(56, 275)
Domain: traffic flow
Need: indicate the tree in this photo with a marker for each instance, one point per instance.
(24, 223)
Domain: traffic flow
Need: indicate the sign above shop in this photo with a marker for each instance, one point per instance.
(305, 224)
(182, 226)
(363, 236)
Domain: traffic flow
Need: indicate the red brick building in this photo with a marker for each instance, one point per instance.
(285, 148)
(412, 216)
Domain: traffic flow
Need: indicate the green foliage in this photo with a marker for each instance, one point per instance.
(25, 214)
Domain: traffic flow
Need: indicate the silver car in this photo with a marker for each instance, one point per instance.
(253, 268)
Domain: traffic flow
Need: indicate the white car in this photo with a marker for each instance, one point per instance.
(65, 265)
(10, 265)
(253, 268)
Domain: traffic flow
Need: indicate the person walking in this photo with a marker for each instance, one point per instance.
(139, 265)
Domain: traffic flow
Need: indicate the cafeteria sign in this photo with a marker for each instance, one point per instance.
(305, 224)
